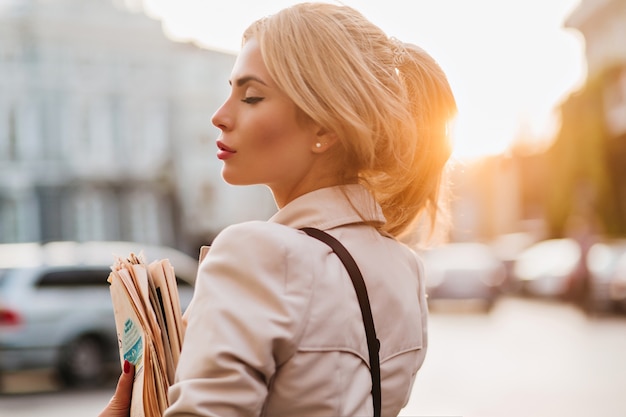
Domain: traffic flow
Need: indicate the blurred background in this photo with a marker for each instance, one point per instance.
(105, 136)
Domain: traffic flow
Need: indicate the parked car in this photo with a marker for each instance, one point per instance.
(618, 284)
(548, 268)
(507, 248)
(463, 271)
(56, 310)
(606, 263)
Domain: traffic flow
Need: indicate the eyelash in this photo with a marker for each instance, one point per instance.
(252, 100)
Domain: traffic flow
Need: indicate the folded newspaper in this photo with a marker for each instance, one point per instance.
(148, 320)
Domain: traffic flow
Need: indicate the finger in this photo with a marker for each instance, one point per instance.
(119, 405)
(124, 388)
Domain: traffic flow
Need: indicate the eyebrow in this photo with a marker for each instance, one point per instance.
(246, 79)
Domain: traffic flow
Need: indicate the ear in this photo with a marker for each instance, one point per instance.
(324, 140)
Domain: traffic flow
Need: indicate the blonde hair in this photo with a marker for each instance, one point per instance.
(388, 102)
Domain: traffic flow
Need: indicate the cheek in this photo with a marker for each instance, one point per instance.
(275, 135)
(267, 135)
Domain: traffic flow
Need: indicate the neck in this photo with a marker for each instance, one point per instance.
(282, 197)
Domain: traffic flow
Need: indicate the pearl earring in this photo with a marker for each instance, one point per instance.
(318, 145)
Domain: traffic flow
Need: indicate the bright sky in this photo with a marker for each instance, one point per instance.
(509, 62)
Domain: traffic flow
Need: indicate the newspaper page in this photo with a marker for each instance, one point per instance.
(148, 321)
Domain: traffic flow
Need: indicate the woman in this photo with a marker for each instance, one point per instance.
(348, 129)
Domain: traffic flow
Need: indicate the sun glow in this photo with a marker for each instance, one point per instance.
(509, 63)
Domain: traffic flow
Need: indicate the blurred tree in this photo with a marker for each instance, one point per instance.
(583, 167)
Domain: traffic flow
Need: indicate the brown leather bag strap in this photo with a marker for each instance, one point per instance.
(373, 344)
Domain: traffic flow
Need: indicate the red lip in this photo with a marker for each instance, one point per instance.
(224, 152)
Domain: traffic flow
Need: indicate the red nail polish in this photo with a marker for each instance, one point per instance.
(126, 366)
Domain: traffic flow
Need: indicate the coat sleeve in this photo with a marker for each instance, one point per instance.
(245, 319)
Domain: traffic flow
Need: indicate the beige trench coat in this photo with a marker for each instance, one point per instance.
(274, 327)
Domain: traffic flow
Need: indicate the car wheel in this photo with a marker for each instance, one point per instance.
(82, 363)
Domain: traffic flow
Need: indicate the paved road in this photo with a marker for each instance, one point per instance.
(524, 359)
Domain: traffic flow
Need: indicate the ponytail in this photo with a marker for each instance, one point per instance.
(414, 184)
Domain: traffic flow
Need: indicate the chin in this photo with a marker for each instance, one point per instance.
(235, 180)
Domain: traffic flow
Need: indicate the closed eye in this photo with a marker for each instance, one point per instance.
(252, 100)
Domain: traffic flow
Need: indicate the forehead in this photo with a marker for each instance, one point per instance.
(250, 65)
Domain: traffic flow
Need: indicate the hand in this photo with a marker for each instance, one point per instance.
(119, 406)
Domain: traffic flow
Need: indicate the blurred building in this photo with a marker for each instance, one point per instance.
(603, 24)
(105, 129)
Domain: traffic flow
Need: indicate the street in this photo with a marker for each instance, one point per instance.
(523, 359)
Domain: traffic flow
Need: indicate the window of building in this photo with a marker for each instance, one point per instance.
(50, 124)
(27, 129)
(54, 217)
(19, 218)
(8, 133)
(95, 215)
(148, 217)
(8, 220)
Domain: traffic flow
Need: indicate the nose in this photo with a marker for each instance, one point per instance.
(220, 118)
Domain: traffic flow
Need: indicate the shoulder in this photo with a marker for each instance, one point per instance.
(414, 255)
(255, 234)
(257, 245)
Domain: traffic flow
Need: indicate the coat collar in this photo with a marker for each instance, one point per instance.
(331, 207)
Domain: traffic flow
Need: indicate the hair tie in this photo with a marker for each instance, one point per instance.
(398, 52)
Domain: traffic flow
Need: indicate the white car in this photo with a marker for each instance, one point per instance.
(548, 268)
(465, 271)
(604, 262)
(56, 310)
